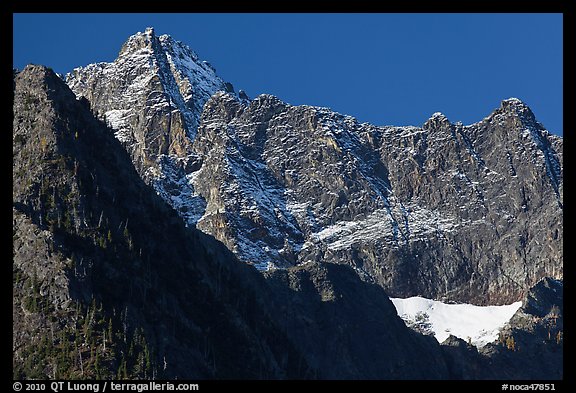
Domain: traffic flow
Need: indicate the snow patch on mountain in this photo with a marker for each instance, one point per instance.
(116, 119)
(384, 225)
(478, 325)
(177, 188)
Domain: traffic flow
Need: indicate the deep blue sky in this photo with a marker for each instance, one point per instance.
(386, 69)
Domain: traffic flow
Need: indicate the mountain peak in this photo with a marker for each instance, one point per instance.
(149, 31)
(439, 116)
(36, 71)
(435, 121)
(513, 101)
(514, 104)
(44, 79)
(139, 42)
(517, 107)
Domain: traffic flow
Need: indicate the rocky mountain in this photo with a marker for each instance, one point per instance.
(109, 283)
(139, 187)
(152, 95)
(467, 213)
(470, 214)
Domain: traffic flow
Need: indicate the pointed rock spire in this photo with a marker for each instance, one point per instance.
(436, 121)
(139, 41)
(517, 107)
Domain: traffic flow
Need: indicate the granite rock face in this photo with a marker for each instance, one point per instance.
(469, 213)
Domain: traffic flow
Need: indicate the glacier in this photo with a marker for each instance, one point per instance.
(479, 325)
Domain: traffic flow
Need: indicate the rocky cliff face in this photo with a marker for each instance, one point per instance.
(109, 283)
(337, 321)
(465, 213)
(152, 95)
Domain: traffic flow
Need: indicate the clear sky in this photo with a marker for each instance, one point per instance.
(386, 69)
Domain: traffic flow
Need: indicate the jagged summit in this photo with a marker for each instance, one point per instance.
(518, 108)
(509, 107)
(410, 208)
(157, 72)
(435, 121)
(45, 80)
(138, 42)
(153, 96)
(514, 104)
(39, 75)
(467, 214)
(513, 101)
(157, 85)
(145, 42)
(437, 115)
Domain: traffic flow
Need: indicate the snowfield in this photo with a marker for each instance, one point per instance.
(479, 325)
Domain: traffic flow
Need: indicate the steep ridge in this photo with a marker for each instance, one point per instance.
(446, 211)
(109, 283)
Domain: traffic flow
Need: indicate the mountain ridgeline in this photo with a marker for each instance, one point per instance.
(165, 226)
(108, 282)
(446, 211)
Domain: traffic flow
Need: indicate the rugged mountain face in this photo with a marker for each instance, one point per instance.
(109, 283)
(152, 96)
(336, 322)
(446, 211)
(535, 335)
